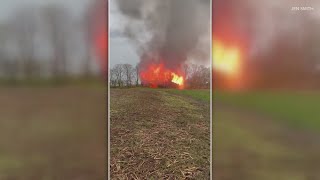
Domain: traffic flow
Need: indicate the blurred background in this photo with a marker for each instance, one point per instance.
(53, 61)
(266, 100)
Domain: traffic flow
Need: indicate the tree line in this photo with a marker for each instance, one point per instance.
(127, 75)
(124, 75)
(46, 41)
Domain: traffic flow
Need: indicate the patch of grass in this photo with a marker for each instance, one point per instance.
(199, 94)
(51, 82)
(240, 152)
(299, 109)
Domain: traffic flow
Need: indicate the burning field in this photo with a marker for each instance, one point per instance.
(158, 129)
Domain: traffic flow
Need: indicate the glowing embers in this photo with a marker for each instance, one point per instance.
(157, 75)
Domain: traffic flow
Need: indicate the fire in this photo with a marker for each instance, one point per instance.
(177, 79)
(228, 62)
(156, 75)
(226, 59)
(99, 33)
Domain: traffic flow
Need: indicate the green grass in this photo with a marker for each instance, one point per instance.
(52, 82)
(242, 153)
(300, 109)
(200, 94)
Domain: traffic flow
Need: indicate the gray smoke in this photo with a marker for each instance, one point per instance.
(171, 31)
(260, 23)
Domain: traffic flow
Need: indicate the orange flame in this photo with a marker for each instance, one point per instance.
(177, 79)
(226, 59)
(155, 75)
(99, 33)
(228, 62)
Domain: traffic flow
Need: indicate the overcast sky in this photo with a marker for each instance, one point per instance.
(8, 7)
(76, 8)
(121, 50)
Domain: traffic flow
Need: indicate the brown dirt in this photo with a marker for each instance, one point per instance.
(158, 135)
(52, 133)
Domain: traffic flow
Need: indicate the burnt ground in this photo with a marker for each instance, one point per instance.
(250, 146)
(158, 135)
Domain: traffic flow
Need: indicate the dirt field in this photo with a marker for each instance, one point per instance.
(156, 134)
(249, 146)
(52, 133)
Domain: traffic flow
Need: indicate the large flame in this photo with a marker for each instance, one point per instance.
(228, 63)
(226, 59)
(156, 75)
(177, 79)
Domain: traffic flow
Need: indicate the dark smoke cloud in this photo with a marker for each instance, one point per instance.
(171, 30)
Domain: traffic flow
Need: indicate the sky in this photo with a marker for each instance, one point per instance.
(8, 7)
(77, 8)
(121, 50)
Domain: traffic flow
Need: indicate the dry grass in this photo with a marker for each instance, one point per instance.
(52, 133)
(158, 135)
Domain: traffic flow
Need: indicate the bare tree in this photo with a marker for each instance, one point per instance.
(8, 65)
(199, 76)
(23, 25)
(118, 70)
(57, 18)
(128, 74)
(87, 32)
(3, 39)
(137, 74)
(113, 77)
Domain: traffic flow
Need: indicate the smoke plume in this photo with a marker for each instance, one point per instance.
(170, 31)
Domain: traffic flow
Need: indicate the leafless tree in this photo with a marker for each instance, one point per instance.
(57, 18)
(3, 39)
(119, 74)
(86, 26)
(23, 25)
(199, 76)
(113, 77)
(128, 74)
(137, 74)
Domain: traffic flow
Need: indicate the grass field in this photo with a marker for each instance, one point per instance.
(159, 134)
(202, 94)
(256, 136)
(52, 133)
(299, 109)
